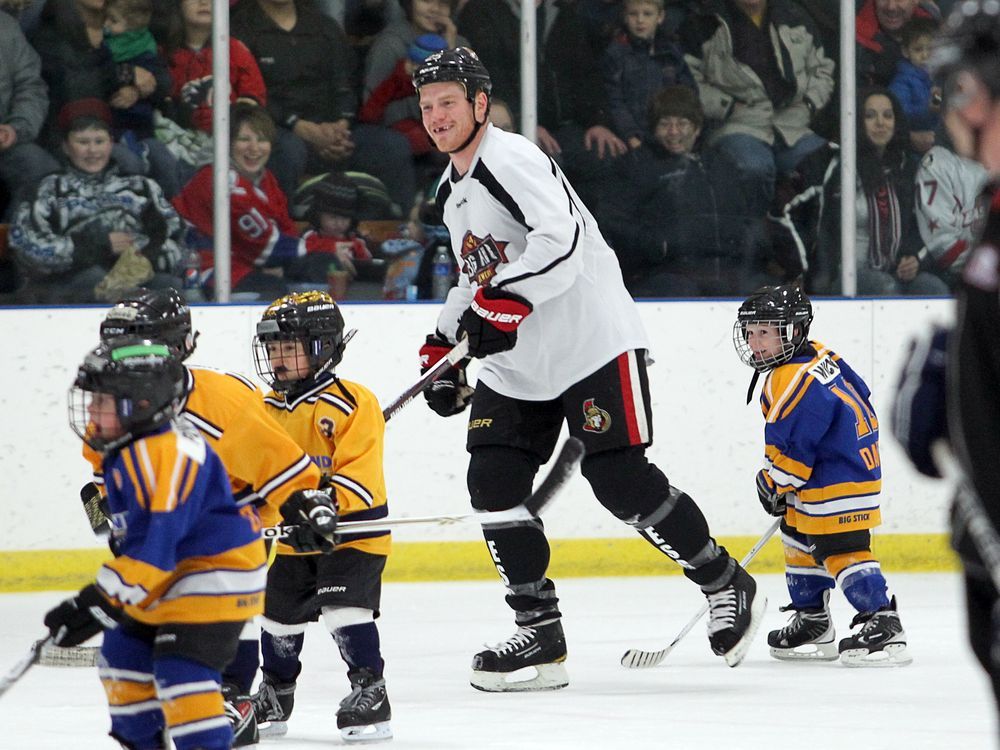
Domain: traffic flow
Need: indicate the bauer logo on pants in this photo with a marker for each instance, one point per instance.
(595, 419)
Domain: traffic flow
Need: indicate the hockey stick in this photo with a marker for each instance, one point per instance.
(439, 368)
(26, 663)
(636, 658)
(562, 469)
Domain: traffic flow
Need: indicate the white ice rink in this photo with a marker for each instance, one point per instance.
(691, 702)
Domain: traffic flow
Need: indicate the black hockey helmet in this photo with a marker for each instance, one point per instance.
(146, 380)
(970, 39)
(461, 65)
(312, 318)
(786, 308)
(157, 314)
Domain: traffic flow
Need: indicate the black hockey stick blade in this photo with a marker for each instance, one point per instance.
(562, 469)
(457, 353)
(636, 658)
(29, 660)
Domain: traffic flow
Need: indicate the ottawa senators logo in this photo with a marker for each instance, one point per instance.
(481, 256)
(595, 419)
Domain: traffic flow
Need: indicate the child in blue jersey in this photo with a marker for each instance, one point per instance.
(190, 567)
(822, 474)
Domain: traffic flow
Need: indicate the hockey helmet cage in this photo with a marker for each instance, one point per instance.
(312, 318)
(461, 65)
(788, 309)
(160, 315)
(970, 39)
(146, 380)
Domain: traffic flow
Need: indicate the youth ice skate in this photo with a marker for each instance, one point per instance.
(239, 711)
(808, 636)
(539, 650)
(364, 715)
(734, 615)
(879, 642)
(272, 706)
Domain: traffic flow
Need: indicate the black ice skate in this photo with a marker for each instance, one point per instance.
(808, 636)
(539, 649)
(734, 615)
(364, 715)
(879, 642)
(272, 706)
(239, 711)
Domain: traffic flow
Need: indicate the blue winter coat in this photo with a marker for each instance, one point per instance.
(912, 86)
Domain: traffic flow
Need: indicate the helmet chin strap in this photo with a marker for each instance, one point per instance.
(475, 127)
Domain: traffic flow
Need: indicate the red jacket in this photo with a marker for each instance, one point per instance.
(399, 85)
(191, 71)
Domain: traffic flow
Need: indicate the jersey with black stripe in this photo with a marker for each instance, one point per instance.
(517, 224)
(821, 443)
(185, 552)
(264, 464)
(340, 425)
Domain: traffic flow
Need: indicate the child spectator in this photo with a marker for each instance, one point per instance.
(127, 35)
(912, 85)
(639, 62)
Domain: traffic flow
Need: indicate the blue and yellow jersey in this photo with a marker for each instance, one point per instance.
(340, 426)
(264, 464)
(186, 552)
(821, 443)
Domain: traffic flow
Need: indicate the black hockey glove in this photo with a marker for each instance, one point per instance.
(772, 502)
(491, 321)
(919, 417)
(95, 505)
(311, 518)
(451, 392)
(81, 617)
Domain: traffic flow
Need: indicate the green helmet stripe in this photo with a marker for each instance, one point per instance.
(139, 350)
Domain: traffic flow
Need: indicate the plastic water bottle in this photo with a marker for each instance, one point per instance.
(442, 277)
(191, 276)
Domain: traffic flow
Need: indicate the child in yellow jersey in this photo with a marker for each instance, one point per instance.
(822, 474)
(299, 342)
(190, 568)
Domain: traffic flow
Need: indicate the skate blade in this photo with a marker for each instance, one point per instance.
(807, 652)
(892, 655)
(272, 729)
(546, 677)
(737, 653)
(367, 733)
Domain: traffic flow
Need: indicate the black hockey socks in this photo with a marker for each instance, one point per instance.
(242, 670)
(521, 554)
(281, 655)
(360, 648)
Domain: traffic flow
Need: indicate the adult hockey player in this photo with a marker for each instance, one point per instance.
(967, 54)
(822, 476)
(265, 466)
(542, 303)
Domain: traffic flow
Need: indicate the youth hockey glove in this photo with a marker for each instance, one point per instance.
(81, 617)
(492, 319)
(311, 517)
(450, 393)
(772, 502)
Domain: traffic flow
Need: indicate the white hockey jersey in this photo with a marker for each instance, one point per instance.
(517, 224)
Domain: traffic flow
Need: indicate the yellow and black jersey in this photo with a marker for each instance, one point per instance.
(186, 552)
(264, 464)
(821, 443)
(340, 426)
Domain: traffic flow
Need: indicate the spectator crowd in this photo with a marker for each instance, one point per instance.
(702, 134)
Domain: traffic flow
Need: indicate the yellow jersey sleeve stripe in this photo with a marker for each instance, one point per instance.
(355, 488)
(129, 463)
(301, 464)
(145, 465)
(842, 490)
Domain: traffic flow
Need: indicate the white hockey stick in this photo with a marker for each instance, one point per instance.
(636, 658)
(26, 663)
(562, 469)
(457, 353)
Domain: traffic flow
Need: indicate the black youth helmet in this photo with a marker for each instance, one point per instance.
(784, 307)
(461, 65)
(157, 314)
(312, 318)
(970, 39)
(146, 380)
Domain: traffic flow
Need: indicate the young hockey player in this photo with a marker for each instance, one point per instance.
(537, 277)
(823, 476)
(190, 566)
(265, 466)
(300, 340)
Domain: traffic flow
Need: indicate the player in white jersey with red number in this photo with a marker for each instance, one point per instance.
(542, 303)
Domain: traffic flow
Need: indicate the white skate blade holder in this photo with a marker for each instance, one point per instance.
(272, 729)
(551, 676)
(826, 651)
(737, 653)
(891, 655)
(367, 733)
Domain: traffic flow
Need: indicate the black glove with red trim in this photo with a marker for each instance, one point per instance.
(491, 321)
(81, 617)
(450, 393)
